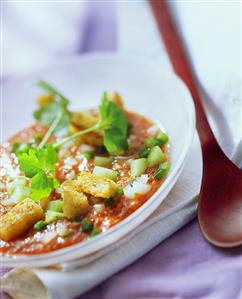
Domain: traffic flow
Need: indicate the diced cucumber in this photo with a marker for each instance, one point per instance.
(103, 161)
(105, 172)
(17, 191)
(162, 171)
(151, 142)
(156, 156)
(138, 166)
(52, 216)
(55, 205)
(163, 138)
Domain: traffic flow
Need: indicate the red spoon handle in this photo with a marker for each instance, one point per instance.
(181, 64)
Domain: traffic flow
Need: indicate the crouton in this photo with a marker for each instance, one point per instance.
(44, 100)
(96, 186)
(84, 120)
(93, 138)
(75, 203)
(19, 219)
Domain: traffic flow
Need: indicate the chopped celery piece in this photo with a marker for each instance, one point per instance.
(105, 172)
(138, 166)
(55, 205)
(52, 216)
(163, 138)
(88, 155)
(156, 156)
(86, 226)
(40, 225)
(162, 171)
(144, 153)
(103, 161)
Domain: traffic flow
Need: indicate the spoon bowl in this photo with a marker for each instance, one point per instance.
(220, 204)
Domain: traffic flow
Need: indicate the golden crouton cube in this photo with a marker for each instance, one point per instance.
(44, 100)
(75, 203)
(84, 120)
(93, 138)
(19, 219)
(71, 185)
(97, 186)
(44, 203)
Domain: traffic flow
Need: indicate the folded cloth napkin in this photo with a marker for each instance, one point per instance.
(76, 277)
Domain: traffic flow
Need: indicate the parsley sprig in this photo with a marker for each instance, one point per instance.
(56, 112)
(113, 123)
(39, 165)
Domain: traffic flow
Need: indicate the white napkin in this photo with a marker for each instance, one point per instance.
(76, 277)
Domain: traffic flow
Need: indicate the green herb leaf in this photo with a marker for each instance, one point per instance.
(39, 165)
(18, 148)
(59, 106)
(51, 90)
(115, 126)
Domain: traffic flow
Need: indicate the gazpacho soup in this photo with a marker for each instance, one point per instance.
(72, 175)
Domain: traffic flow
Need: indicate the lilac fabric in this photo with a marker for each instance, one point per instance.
(185, 265)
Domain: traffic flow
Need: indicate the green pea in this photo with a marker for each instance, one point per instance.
(88, 155)
(40, 225)
(95, 232)
(86, 226)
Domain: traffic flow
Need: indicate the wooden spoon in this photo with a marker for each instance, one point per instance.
(220, 202)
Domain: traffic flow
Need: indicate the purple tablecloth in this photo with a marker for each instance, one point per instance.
(185, 265)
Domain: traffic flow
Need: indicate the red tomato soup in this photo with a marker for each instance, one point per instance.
(74, 158)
